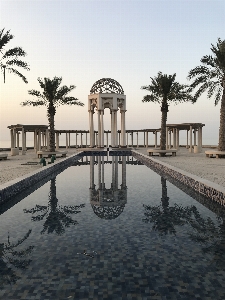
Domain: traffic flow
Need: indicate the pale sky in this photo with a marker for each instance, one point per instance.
(129, 41)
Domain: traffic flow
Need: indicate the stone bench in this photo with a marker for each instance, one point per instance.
(49, 153)
(160, 152)
(3, 156)
(217, 153)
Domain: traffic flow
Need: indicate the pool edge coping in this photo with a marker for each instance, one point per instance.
(198, 184)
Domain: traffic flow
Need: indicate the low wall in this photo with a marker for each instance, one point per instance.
(13, 187)
(202, 186)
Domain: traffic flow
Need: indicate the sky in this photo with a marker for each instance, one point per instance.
(130, 41)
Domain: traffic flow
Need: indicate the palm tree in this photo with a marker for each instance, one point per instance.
(164, 89)
(9, 257)
(165, 217)
(210, 236)
(10, 58)
(211, 76)
(56, 216)
(53, 95)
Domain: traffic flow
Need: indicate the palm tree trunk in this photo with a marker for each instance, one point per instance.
(221, 146)
(164, 110)
(51, 121)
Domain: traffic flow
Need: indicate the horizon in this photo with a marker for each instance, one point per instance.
(129, 41)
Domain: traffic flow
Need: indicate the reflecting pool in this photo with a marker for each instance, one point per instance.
(108, 227)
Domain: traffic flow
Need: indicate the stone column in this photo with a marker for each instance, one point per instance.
(69, 139)
(132, 139)
(81, 139)
(12, 138)
(187, 141)
(76, 139)
(199, 140)
(35, 140)
(194, 137)
(123, 130)
(146, 139)
(66, 140)
(86, 139)
(177, 139)
(190, 149)
(102, 129)
(137, 140)
(112, 129)
(155, 139)
(57, 140)
(127, 140)
(47, 139)
(167, 139)
(91, 125)
(115, 130)
(39, 140)
(18, 140)
(23, 142)
(174, 138)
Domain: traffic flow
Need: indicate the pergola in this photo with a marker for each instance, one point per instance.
(191, 128)
(40, 133)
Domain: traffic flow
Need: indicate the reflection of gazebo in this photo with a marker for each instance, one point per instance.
(107, 93)
(108, 203)
(40, 133)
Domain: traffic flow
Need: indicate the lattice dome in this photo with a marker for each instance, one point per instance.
(108, 213)
(106, 85)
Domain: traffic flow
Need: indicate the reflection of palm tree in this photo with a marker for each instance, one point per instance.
(57, 217)
(165, 217)
(8, 255)
(210, 236)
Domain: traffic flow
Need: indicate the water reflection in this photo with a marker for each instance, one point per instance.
(108, 203)
(11, 260)
(56, 217)
(210, 236)
(165, 217)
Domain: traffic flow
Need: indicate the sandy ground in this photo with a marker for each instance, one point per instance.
(198, 164)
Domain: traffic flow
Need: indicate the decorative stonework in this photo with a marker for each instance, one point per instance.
(106, 85)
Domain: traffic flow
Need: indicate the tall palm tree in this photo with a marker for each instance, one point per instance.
(56, 217)
(211, 76)
(164, 89)
(10, 58)
(52, 96)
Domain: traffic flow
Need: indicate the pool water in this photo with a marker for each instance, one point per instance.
(111, 228)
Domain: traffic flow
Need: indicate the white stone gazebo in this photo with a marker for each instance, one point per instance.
(107, 93)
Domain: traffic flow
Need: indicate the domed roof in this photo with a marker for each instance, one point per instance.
(108, 213)
(106, 85)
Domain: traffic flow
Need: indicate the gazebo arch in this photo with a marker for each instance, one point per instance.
(107, 93)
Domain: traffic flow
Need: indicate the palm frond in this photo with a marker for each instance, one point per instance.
(17, 51)
(12, 70)
(18, 63)
(151, 98)
(5, 37)
(33, 103)
(70, 101)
